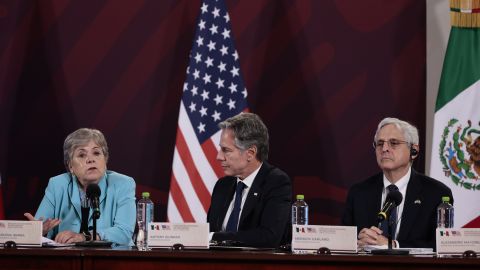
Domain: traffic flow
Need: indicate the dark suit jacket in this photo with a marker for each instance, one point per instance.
(266, 213)
(418, 222)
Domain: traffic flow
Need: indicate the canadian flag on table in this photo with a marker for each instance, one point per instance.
(213, 91)
(456, 132)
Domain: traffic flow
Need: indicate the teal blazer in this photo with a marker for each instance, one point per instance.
(117, 206)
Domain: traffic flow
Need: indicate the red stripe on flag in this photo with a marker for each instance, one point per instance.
(473, 224)
(180, 202)
(195, 178)
(211, 153)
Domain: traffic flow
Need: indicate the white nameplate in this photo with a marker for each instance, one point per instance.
(457, 241)
(23, 233)
(190, 235)
(309, 238)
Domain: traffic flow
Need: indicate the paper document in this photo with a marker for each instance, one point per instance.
(412, 251)
(46, 242)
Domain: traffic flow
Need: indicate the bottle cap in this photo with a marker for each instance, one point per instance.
(146, 194)
(300, 197)
(445, 199)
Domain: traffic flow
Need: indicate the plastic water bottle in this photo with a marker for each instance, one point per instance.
(141, 241)
(144, 216)
(445, 214)
(300, 211)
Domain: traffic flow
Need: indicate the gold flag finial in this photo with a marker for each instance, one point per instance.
(465, 13)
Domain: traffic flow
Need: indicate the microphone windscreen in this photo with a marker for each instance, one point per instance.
(395, 196)
(93, 191)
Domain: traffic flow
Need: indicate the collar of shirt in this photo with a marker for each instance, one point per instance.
(401, 184)
(83, 198)
(248, 181)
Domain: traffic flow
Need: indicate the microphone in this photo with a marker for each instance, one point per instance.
(394, 198)
(93, 195)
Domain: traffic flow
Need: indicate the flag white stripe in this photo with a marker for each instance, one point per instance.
(172, 210)
(216, 139)
(183, 180)
(201, 162)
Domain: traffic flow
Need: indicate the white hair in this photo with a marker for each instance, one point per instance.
(410, 132)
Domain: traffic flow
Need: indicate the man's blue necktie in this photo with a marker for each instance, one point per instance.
(232, 223)
(392, 218)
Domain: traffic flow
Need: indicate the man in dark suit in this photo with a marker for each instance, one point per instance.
(251, 204)
(396, 146)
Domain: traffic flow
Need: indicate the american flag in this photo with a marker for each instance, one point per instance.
(213, 91)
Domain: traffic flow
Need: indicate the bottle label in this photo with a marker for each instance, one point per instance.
(148, 214)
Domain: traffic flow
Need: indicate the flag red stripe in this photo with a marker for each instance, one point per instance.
(211, 153)
(195, 178)
(475, 223)
(180, 202)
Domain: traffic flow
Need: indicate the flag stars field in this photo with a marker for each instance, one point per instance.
(222, 67)
(203, 111)
(205, 95)
(225, 33)
(218, 99)
(224, 50)
(211, 45)
(201, 25)
(200, 41)
(194, 91)
(216, 116)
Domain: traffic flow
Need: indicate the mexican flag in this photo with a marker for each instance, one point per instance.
(456, 129)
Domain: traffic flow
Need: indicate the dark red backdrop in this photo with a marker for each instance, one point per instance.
(320, 73)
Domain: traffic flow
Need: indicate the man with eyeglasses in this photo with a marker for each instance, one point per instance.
(413, 221)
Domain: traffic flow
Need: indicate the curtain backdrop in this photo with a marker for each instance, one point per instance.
(321, 74)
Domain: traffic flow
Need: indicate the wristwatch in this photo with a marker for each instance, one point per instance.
(87, 235)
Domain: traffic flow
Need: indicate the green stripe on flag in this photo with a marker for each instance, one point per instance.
(461, 67)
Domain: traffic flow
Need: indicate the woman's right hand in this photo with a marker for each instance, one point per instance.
(48, 224)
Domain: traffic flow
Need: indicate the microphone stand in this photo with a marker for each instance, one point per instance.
(390, 250)
(94, 236)
(95, 216)
(389, 234)
(94, 242)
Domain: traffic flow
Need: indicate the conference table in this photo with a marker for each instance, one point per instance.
(125, 258)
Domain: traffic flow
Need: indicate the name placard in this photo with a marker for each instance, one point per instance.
(190, 235)
(309, 238)
(23, 233)
(457, 241)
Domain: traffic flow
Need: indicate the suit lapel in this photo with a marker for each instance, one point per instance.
(75, 197)
(410, 208)
(374, 200)
(255, 192)
(227, 199)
